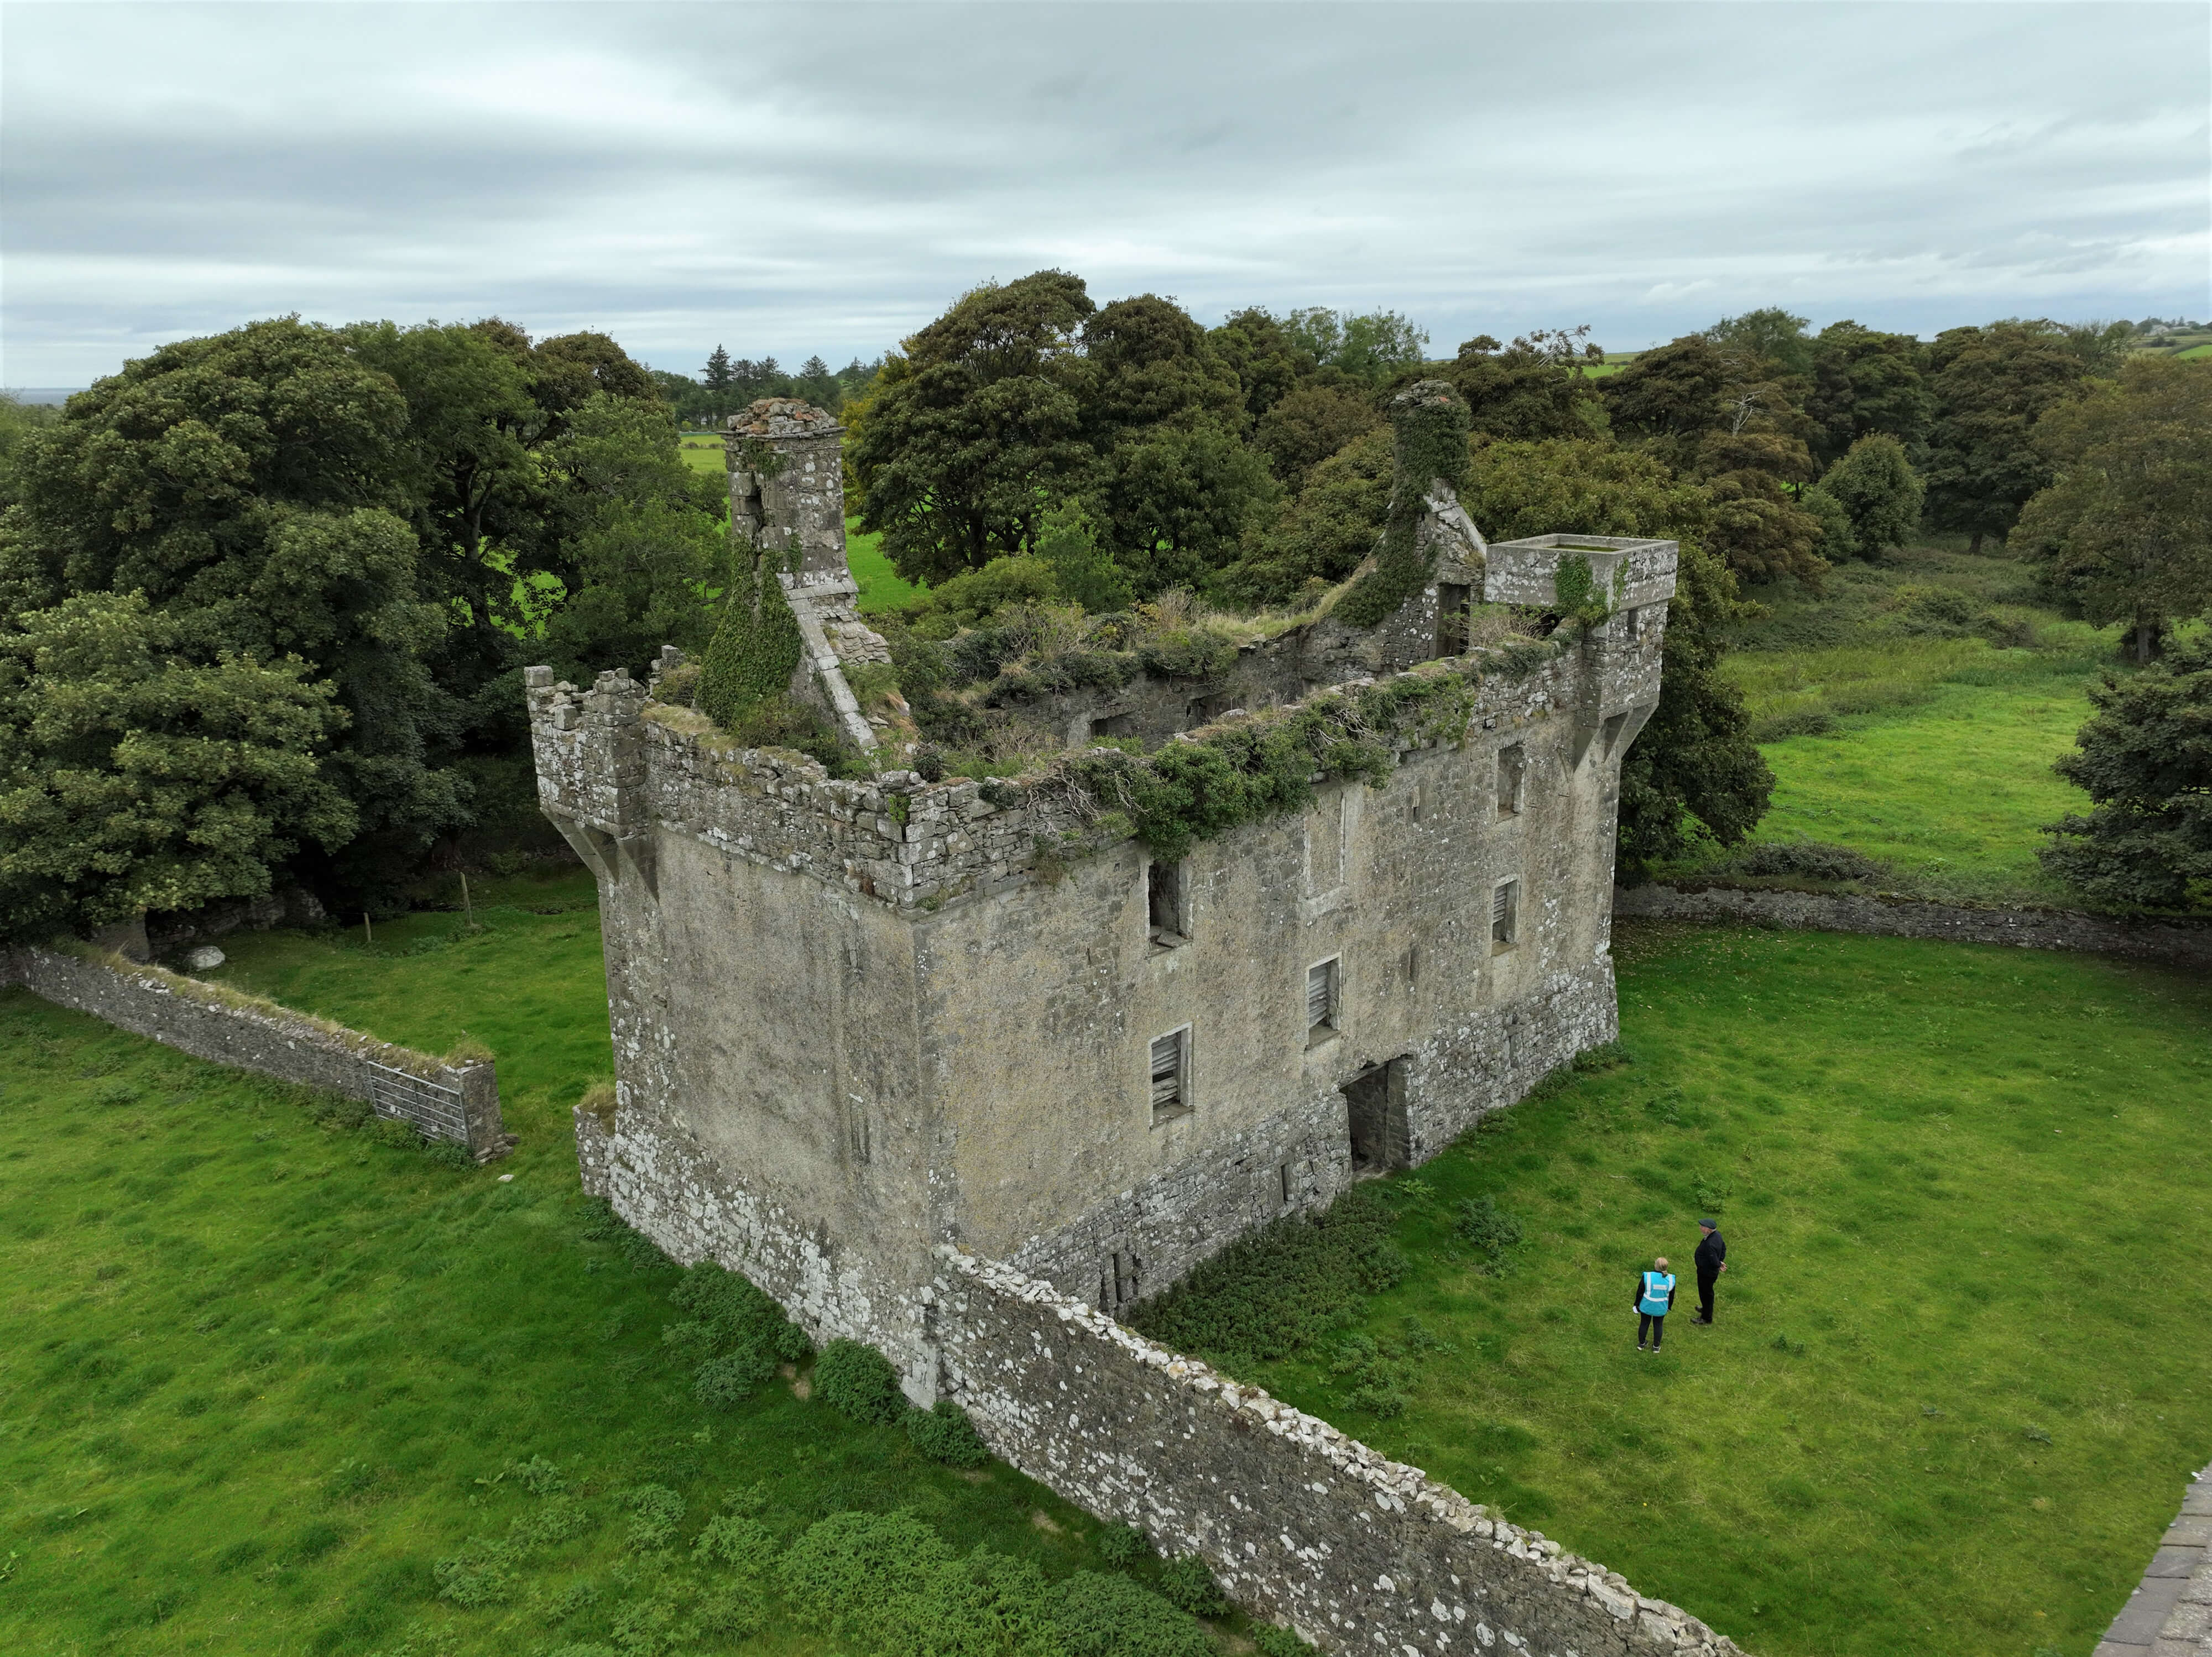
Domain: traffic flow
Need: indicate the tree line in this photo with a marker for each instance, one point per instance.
(265, 598)
(265, 595)
(725, 384)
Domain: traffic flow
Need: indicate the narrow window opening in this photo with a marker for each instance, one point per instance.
(1171, 1075)
(1512, 771)
(1166, 912)
(1412, 962)
(1631, 625)
(1320, 1003)
(1452, 609)
(1283, 1173)
(1504, 914)
(1421, 802)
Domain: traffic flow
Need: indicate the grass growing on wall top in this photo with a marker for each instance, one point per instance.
(1958, 1375)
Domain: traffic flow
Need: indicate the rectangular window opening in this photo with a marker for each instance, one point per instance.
(1631, 625)
(1453, 603)
(1421, 802)
(1171, 1075)
(1504, 914)
(1283, 1173)
(1512, 770)
(1167, 912)
(1320, 1002)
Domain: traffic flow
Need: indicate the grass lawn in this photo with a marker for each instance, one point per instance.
(1953, 791)
(257, 1374)
(1911, 711)
(1958, 1371)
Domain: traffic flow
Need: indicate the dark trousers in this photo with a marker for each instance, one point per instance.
(1705, 1282)
(1655, 1327)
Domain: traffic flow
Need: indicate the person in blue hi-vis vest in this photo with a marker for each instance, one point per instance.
(1655, 1299)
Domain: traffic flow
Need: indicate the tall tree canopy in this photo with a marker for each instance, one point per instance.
(382, 513)
(139, 769)
(2124, 531)
(1991, 385)
(976, 428)
(1864, 382)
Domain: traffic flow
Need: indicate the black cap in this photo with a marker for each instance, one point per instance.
(1710, 1225)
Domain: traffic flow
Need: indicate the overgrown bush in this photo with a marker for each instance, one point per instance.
(1123, 1545)
(1805, 860)
(1102, 1616)
(735, 1335)
(864, 1577)
(944, 1433)
(1188, 1585)
(859, 1382)
(1495, 1232)
(1278, 1642)
(1276, 1290)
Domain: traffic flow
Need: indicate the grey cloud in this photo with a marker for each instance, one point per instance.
(827, 178)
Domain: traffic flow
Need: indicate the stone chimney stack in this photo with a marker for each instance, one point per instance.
(802, 495)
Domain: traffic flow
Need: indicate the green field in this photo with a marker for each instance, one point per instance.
(1958, 1375)
(1951, 787)
(258, 1374)
(1911, 711)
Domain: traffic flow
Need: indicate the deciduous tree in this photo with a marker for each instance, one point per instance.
(976, 427)
(1991, 385)
(2125, 531)
(1878, 489)
(139, 771)
(1865, 381)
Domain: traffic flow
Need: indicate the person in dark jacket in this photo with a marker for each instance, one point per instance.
(1655, 1299)
(1711, 1261)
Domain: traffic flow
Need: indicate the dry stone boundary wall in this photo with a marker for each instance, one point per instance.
(459, 1103)
(1299, 1523)
(2172, 944)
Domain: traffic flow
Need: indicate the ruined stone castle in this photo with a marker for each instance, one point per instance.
(865, 1028)
(874, 1025)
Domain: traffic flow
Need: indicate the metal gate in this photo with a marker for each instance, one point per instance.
(431, 1107)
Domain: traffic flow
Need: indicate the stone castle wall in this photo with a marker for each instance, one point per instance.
(1301, 1524)
(455, 1103)
(2179, 943)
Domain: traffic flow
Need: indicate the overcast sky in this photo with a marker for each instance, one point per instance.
(825, 178)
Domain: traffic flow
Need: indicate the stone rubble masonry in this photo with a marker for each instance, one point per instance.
(2170, 1614)
(230, 1029)
(1300, 1523)
(2176, 944)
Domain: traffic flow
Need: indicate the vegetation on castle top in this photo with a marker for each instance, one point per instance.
(1927, 1417)
(1429, 431)
(1268, 763)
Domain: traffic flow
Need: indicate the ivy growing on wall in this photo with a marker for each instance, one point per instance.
(1429, 431)
(756, 648)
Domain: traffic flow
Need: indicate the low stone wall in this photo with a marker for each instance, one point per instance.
(2170, 1615)
(454, 1102)
(1299, 1523)
(2174, 944)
